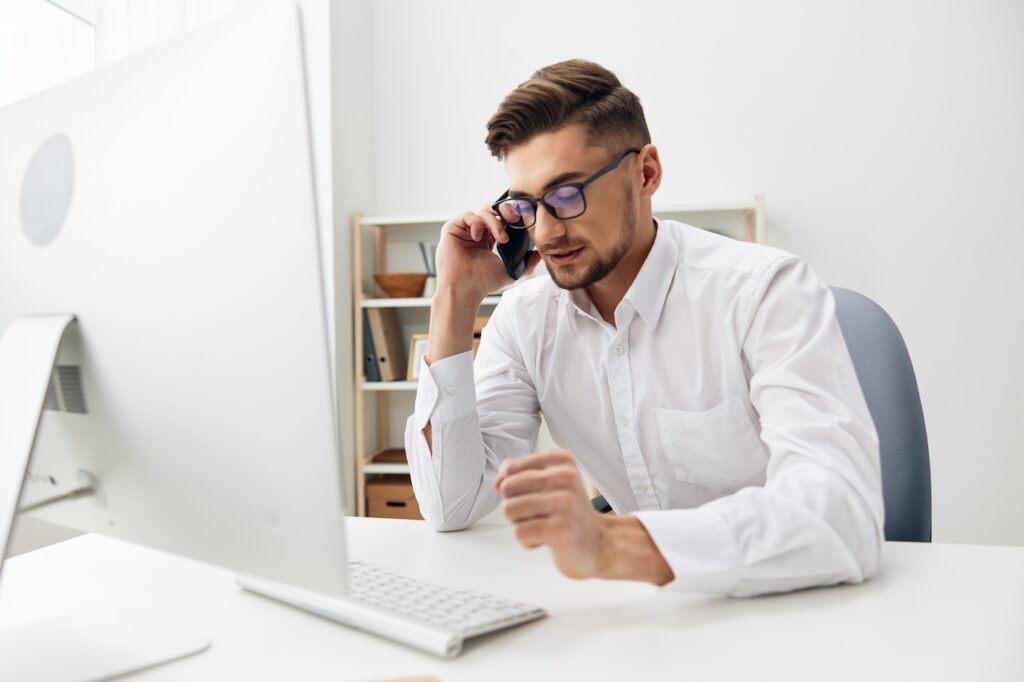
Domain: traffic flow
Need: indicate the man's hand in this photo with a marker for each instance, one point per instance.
(467, 270)
(546, 502)
(464, 253)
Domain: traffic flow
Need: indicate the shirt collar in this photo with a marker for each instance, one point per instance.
(578, 303)
(649, 290)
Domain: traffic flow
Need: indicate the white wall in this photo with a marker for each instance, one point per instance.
(886, 137)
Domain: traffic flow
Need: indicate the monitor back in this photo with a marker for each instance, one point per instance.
(167, 201)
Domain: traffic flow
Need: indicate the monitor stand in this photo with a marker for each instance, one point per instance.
(88, 645)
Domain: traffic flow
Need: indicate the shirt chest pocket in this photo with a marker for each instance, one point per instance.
(716, 448)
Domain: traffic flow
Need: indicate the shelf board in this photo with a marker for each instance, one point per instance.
(707, 207)
(388, 385)
(398, 220)
(422, 302)
(393, 468)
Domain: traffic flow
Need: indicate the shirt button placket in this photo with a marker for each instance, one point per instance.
(622, 405)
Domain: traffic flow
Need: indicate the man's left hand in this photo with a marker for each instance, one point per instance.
(546, 502)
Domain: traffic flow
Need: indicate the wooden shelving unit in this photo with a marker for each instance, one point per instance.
(742, 220)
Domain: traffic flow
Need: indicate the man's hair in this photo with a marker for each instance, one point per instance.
(574, 91)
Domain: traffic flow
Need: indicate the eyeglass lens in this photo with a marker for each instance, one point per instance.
(565, 201)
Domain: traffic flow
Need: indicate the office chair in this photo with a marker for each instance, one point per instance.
(887, 379)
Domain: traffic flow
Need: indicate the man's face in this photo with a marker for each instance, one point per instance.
(580, 251)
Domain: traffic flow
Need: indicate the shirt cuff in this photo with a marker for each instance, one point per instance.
(446, 390)
(698, 546)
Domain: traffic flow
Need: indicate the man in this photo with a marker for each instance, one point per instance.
(701, 383)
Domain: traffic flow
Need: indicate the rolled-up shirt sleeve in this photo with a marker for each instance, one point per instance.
(818, 519)
(480, 413)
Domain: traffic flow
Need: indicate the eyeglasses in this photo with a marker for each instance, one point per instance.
(562, 202)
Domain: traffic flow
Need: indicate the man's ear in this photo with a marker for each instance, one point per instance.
(650, 163)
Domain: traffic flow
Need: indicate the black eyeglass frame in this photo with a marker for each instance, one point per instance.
(505, 198)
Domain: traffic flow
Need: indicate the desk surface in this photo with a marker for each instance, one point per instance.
(935, 612)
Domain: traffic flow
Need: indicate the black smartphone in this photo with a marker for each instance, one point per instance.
(515, 251)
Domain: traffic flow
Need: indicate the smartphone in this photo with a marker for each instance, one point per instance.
(516, 250)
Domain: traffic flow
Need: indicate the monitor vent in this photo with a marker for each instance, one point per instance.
(65, 392)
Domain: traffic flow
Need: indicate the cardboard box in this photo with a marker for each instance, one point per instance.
(391, 497)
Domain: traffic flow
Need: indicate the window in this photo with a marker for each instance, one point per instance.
(44, 43)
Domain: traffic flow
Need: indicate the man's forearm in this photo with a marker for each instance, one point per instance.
(452, 314)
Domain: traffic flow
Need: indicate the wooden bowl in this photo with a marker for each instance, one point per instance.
(402, 284)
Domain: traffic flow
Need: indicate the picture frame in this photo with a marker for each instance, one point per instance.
(417, 347)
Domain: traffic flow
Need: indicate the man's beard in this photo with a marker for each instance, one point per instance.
(601, 267)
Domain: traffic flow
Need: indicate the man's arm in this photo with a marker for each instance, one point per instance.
(818, 520)
(455, 443)
(452, 314)
(467, 271)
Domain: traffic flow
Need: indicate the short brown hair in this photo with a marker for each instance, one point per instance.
(574, 91)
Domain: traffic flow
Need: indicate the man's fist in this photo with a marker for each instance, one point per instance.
(546, 502)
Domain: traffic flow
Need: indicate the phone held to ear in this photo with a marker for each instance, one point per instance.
(515, 251)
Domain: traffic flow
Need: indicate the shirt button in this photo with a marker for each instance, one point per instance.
(450, 390)
(624, 422)
(618, 350)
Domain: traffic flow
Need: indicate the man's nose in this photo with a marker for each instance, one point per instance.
(548, 229)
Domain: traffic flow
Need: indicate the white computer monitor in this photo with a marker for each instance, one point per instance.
(167, 202)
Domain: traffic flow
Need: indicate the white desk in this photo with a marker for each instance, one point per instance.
(935, 612)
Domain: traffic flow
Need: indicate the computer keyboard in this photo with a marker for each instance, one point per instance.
(419, 614)
(462, 612)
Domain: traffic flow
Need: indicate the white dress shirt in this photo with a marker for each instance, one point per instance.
(722, 410)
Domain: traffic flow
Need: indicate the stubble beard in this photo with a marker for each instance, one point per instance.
(602, 267)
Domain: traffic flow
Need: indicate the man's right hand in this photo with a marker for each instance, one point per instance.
(467, 270)
(466, 262)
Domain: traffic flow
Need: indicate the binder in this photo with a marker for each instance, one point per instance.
(387, 343)
(370, 368)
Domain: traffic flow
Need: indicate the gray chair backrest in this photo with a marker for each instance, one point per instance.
(887, 379)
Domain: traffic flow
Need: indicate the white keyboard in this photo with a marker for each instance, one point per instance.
(462, 612)
(428, 617)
